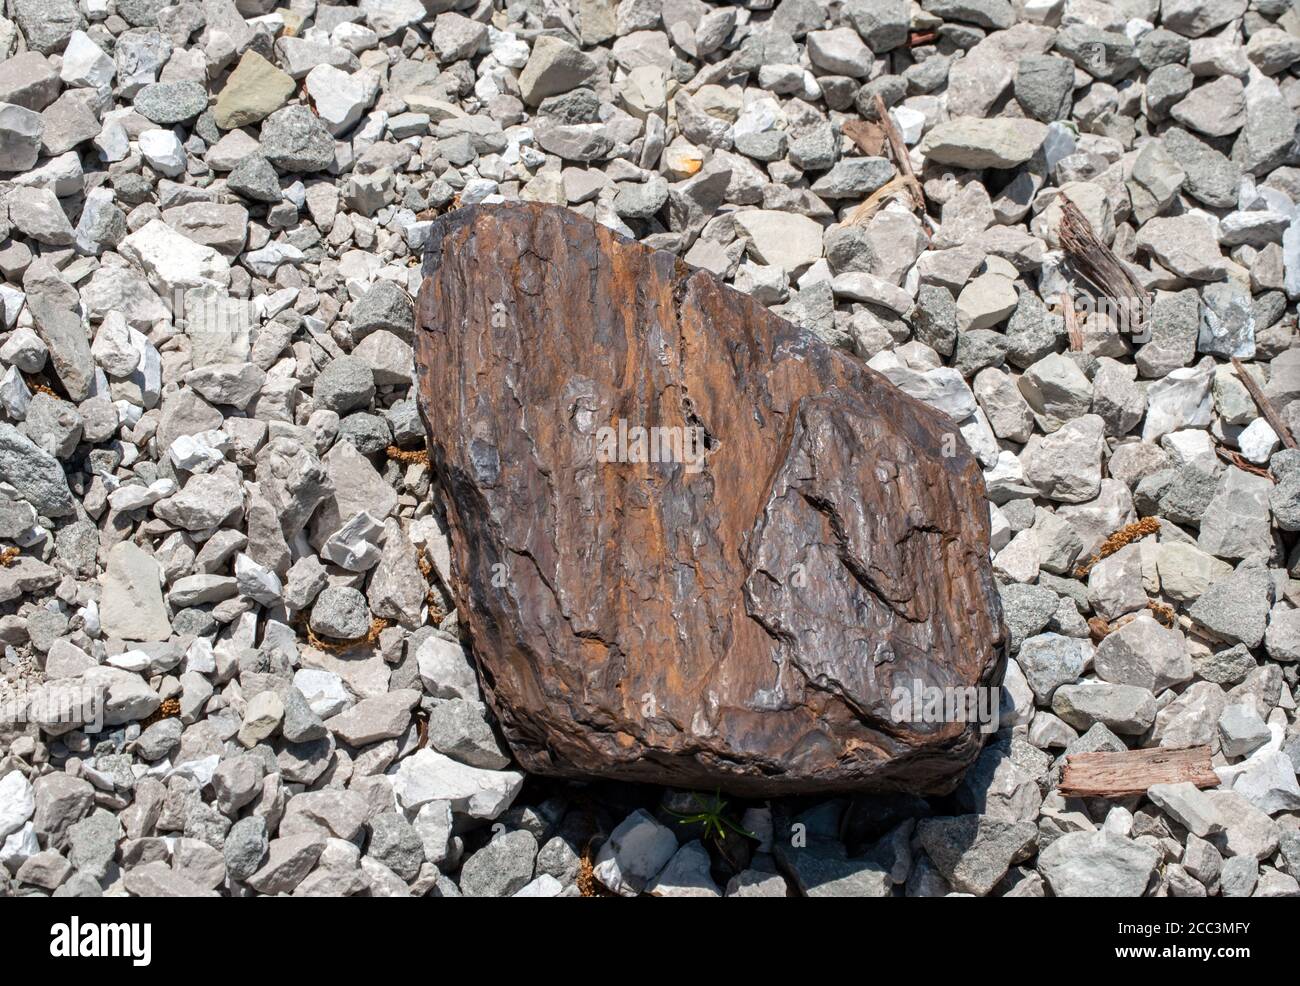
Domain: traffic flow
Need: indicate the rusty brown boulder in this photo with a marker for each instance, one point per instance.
(733, 597)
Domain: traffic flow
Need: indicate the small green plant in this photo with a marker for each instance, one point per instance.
(712, 818)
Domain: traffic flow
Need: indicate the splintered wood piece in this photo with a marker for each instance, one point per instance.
(873, 202)
(1072, 329)
(1118, 775)
(1265, 405)
(869, 137)
(872, 138)
(1097, 262)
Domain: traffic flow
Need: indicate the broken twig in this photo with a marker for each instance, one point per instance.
(898, 149)
(871, 138)
(1236, 459)
(1265, 405)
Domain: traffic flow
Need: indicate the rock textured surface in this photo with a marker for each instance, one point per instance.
(741, 621)
(217, 509)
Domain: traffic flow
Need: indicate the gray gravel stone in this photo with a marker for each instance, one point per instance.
(1125, 709)
(254, 178)
(1097, 864)
(340, 612)
(383, 306)
(34, 473)
(1236, 609)
(973, 852)
(345, 384)
(92, 843)
(47, 24)
(168, 103)
(294, 139)
(395, 843)
(501, 867)
(1044, 85)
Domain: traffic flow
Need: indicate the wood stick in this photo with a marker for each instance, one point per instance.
(1119, 775)
(899, 150)
(1265, 405)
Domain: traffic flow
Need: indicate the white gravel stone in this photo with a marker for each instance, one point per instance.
(791, 242)
(85, 63)
(427, 776)
(339, 97)
(1066, 465)
(17, 802)
(634, 854)
(172, 262)
(163, 151)
(1258, 441)
(1180, 400)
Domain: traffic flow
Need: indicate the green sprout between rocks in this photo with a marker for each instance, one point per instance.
(712, 817)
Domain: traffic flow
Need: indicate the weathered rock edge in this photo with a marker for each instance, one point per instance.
(640, 622)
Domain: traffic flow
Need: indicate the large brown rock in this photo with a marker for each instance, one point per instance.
(740, 622)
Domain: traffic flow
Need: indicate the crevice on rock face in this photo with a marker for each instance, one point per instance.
(743, 618)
